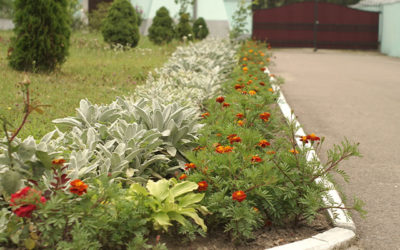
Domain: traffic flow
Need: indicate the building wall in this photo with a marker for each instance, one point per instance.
(391, 29)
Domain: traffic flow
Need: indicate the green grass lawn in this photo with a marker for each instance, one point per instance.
(92, 71)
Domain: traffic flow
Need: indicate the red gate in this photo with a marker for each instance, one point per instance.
(322, 25)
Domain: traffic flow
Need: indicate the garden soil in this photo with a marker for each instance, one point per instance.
(269, 236)
(353, 94)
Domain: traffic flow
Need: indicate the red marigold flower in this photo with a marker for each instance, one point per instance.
(240, 122)
(255, 159)
(78, 187)
(231, 136)
(225, 104)
(271, 152)
(26, 201)
(262, 83)
(293, 151)
(304, 139)
(239, 115)
(190, 166)
(255, 78)
(198, 148)
(252, 92)
(220, 99)
(228, 149)
(265, 116)
(263, 143)
(235, 139)
(249, 82)
(205, 115)
(313, 137)
(244, 92)
(182, 177)
(239, 196)
(58, 161)
(203, 185)
(223, 149)
(263, 69)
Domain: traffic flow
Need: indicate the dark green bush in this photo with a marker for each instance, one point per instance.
(183, 29)
(162, 30)
(97, 16)
(120, 25)
(200, 29)
(41, 35)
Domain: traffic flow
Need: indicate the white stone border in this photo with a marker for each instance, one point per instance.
(344, 231)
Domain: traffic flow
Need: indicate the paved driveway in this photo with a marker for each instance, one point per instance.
(352, 94)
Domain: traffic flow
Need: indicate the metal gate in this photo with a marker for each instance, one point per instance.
(318, 25)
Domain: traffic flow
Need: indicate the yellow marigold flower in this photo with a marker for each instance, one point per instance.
(252, 92)
(240, 122)
(270, 90)
(293, 151)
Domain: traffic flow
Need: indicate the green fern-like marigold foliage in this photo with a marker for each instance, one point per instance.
(200, 29)
(184, 29)
(162, 29)
(120, 25)
(41, 35)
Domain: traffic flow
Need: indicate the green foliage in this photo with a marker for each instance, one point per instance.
(200, 28)
(42, 31)
(184, 29)
(161, 31)
(171, 201)
(121, 24)
(239, 19)
(184, 5)
(6, 9)
(97, 16)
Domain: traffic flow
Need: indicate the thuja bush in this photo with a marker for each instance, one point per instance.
(41, 35)
(162, 30)
(200, 28)
(97, 16)
(121, 24)
(183, 28)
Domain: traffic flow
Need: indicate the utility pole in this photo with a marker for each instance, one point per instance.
(194, 9)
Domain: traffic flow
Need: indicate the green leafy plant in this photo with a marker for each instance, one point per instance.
(200, 28)
(239, 19)
(42, 31)
(184, 29)
(171, 201)
(161, 31)
(121, 24)
(98, 15)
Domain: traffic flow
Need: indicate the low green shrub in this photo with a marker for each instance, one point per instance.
(98, 15)
(121, 24)
(200, 28)
(184, 29)
(162, 30)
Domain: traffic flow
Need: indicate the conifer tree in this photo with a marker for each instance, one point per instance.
(162, 30)
(200, 29)
(120, 25)
(41, 35)
(183, 29)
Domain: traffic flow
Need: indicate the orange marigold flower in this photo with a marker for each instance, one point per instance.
(262, 83)
(249, 82)
(255, 209)
(226, 104)
(255, 159)
(293, 151)
(228, 149)
(313, 137)
(219, 149)
(263, 143)
(245, 69)
(190, 166)
(220, 99)
(304, 139)
(255, 78)
(238, 86)
(203, 185)
(268, 59)
(251, 51)
(244, 92)
(239, 196)
(262, 54)
(205, 115)
(235, 139)
(58, 161)
(231, 136)
(240, 122)
(239, 115)
(198, 148)
(271, 152)
(265, 116)
(78, 187)
(182, 177)
(223, 149)
(218, 134)
(252, 92)
(270, 90)
(240, 79)
(245, 59)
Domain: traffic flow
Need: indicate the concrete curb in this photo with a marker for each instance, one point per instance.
(343, 233)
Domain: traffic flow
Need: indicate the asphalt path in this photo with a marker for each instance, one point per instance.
(353, 94)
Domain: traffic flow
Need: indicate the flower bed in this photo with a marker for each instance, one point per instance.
(211, 152)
